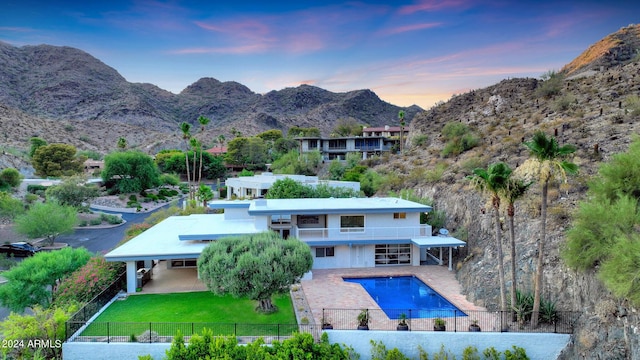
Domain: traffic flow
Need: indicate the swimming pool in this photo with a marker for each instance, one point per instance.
(408, 295)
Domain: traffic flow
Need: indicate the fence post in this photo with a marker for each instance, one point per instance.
(455, 320)
(278, 332)
(410, 319)
(108, 337)
(192, 329)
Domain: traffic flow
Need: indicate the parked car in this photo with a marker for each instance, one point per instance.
(19, 249)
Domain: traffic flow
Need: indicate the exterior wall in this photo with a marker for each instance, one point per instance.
(341, 258)
(236, 213)
(104, 351)
(538, 346)
(362, 256)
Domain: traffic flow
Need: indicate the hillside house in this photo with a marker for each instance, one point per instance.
(342, 233)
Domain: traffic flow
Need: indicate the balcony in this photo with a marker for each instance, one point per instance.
(360, 234)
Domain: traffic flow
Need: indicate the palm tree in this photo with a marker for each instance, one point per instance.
(221, 140)
(186, 136)
(194, 145)
(546, 165)
(492, 181)
(402, 123)
(514, 190)
(203, 122)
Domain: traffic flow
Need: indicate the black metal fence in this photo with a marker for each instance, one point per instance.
(454, 320)
(154, 332)
(94, 305)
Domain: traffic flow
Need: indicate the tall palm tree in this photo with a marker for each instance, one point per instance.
(203, 122)
(547, 164)
(221, 140)
(514, 190)
(194, 146)
(402, 123)
(186, 136)
(492, 181)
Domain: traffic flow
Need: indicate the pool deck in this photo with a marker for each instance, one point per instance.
(327, 290)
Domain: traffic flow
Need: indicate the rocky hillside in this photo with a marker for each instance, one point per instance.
(594, 110)
(71, 87)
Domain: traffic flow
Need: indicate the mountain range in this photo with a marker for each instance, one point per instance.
(68, 85)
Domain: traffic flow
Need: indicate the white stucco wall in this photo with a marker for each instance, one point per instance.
(538, 346)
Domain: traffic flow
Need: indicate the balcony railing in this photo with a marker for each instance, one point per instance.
(366, 233)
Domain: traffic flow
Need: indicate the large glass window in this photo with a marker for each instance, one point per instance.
(400, 215)
(349, 223)
(393, 254)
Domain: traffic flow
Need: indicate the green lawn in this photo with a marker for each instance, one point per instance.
(225, 315)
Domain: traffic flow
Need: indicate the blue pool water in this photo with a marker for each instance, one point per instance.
(408, 295)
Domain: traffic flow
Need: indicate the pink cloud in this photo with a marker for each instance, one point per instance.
(407, 28)
(237, 50)
(432, 5)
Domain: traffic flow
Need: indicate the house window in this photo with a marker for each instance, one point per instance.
(400, 215)
(324, 252)
(313, 144)
(351, 223)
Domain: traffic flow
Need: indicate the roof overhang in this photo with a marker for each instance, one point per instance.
(438, 241)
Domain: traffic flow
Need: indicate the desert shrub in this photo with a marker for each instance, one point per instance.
(95, 222)
(151, 197)
(459, 139)
(10, 207)
(35, 189)
(472, 163)
(435, 174)
(633, 104)
(551, 84)
(245, 172)
(169, 179)
(517, 354)
(564, 102)
(133, 197)
(111, 219)
(87, 282)
(420, 140)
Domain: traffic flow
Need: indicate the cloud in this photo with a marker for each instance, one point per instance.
(433, 5)
(15, 29)
(236, 50)
(407, 28)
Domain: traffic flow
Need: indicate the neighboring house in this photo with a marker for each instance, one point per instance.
(342, 233)
(258, 185)
(385, 131)
(217, 150)
(374, 141)
(93, 167)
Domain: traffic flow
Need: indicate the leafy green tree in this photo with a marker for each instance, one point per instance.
(9, 178)
(36, 142)
(354, 173)
(46, 220)
(294, 163)
(73, 191)
(370, 182)
(256, 266)
(283, 146)
(336, 170)
(173, 162)
(603, 235)
(492, 181)
(10, 207)
(347, 127)
(131, 171)
(249, 152)
(271, 135)
(303, 132)
(288, 189)
(45, 325)
(31, 282)
(546, 163)
(57, 160)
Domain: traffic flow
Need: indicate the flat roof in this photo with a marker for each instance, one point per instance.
(438, 241)
(334, 206)
(162, 241)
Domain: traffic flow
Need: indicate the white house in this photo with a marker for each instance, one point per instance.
(258, 185)
(342, 233)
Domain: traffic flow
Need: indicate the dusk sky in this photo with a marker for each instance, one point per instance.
(407, 52)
